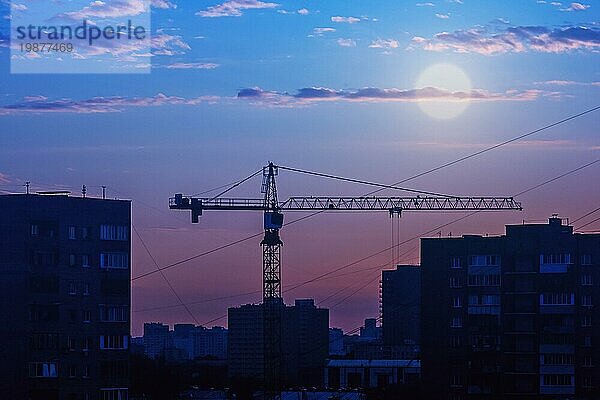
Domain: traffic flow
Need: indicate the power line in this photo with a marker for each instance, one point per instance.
(557, 177)
(376, 191)
(164, 276)
(589, 223)
(362, 182)
(586, 215)
(490, 148)
(237, 184)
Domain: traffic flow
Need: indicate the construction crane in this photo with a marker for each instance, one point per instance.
(271, 244)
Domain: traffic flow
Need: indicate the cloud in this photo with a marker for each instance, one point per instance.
(312, 95)
(321, 31)
(346, 42)
(347, 20)
(303, 11)
(425, 5)
(164, 4)
(558, 82)
(515, 39)
(442, 16)
(384, 44)
(111, 9)
(18, 7)
(192, 66)
(234, 8)
(576, 7)
(42, 104)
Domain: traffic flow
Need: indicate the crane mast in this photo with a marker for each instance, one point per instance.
(271, 243)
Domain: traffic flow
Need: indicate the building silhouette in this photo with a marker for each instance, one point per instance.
(401, 306)
(157, 339)
(512, 316)
(305, 343)
(64, 315)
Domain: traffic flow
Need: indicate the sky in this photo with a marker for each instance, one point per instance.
(378, 90)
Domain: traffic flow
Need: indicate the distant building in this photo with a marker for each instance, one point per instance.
(336, 342)
(305, 343)
(65, 282)
(157, 339)
(401, 305)
(210, 342)
(183, 338)
(512, 316)
(370, 330)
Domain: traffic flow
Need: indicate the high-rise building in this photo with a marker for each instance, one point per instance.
(157, 339)
(65, 281)
(401, 305)
(512, 316)
(305, 343)
(336, 342)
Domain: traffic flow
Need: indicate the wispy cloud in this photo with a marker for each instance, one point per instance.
(576, 7)
(42, 104)
(425, 4)
(321, 31)
(311, 95)
(515, 39)
(164, 4)
(234, 8)
(347, 20)
(442, 16)
(346, 42)
(181, 65)
(384, 44)
(559, 82)
(110, 9)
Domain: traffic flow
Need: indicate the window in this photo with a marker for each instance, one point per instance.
(587, 341)
(455, 262)
(72, 287)
(484, 260)
(455, 341)
(86, 316)
(586, 259)
(455, 282)
(44, 341)
(114, 260)
(561, 258)
(114, 232)
(585, 280)
(71, 343)
(35, 230)
(557, 299)
(85, 260)
(587, 360)
(86, 288)
(111, 342)
(110, 313)
(72, 233)
(484, 279)
(72, 260)
(85, 371)
(72, 371)
(42, 370)
(559, 359)
(456, 380)
(456, 302)
(558, 380)
(586, 300)
(456, 322)
(484, 300)
(114, 394)
(87, 343)
(586, 320)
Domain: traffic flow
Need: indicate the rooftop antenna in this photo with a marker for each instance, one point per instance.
(83, 191)
(103, 191)
(27, 187)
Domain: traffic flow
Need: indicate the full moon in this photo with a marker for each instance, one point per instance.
(448, 77)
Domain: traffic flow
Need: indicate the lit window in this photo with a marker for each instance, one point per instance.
(42, 370)
(114, 232)
(114, 260)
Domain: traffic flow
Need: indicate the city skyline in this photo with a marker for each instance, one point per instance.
(331, 87)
